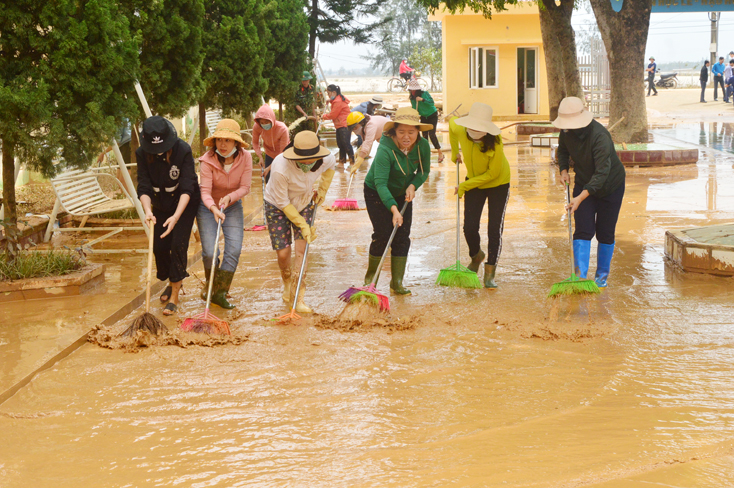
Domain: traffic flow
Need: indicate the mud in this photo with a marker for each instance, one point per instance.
(362, 317)
(109, 338)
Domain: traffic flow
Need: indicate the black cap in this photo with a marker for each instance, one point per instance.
(158, 135)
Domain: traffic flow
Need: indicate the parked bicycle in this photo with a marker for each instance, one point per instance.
(397, 84)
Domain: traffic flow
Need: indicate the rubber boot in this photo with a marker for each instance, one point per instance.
(207, 274)
(397, 268)
(374, 262)
(489, 271)
(222, 282)
(476, 260)
(581, 253)
(285, 275)
(604, 254)
(301, 306)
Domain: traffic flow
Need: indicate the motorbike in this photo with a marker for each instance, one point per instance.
(667, 80)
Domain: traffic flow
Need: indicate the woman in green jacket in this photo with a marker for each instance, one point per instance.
(421, 101)
(487, 179)
(400, 167)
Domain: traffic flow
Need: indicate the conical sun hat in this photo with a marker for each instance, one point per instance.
(479, 119)
(306, 145)
(407, 116)
(572, 114)
(226, 129)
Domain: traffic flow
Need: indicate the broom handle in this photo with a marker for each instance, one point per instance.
(458, 214)
(303, 263)
(150, 267)
(214, 263)
(349, 187)
(387, 248)
(570, 228)
(263, 182)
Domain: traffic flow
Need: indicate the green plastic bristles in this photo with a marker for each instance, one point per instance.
(458, 276)
(573, 286)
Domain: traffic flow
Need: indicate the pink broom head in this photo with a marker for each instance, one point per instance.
(256, 228)
(206, 323)
(367, 294)
(345, 204)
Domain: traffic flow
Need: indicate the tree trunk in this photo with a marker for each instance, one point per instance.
(313, 22)
(9, 206)
(202, 126)
(625, 36)
(280, 110)
(553, 62)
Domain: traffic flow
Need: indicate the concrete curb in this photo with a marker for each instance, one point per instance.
(110, 320)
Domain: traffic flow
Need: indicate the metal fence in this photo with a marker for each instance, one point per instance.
(595, 79)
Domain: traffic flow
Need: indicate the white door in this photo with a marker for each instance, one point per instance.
(531, 82)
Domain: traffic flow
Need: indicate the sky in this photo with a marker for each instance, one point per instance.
(672, 37)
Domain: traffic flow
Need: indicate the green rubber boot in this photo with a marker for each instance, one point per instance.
(489, 271)
(397, 267)
(222, 282)
(207, 274)
(371, 269)
(476, 260)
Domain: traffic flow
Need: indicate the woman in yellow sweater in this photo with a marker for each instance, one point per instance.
(487, 179)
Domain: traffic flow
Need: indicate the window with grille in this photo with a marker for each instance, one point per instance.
(483, 67)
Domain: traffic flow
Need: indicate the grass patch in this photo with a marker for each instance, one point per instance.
(33, 264)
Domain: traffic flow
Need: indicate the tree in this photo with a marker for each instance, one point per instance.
(236, 38)
(171, 51)
(430, 59)
(559, 41)
(625, 36)
(288, 26)
(65, 66)
(331, 21)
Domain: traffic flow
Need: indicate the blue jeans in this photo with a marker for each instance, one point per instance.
(233, 230)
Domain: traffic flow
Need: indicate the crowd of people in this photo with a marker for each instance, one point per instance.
(298, 174)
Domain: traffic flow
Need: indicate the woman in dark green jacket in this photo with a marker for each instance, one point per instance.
(598, 185)
(422, 101)
(400, 167)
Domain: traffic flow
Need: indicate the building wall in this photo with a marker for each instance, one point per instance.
(519, 27)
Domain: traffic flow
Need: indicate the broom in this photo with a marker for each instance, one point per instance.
(292, 315)
(256, 228)
(458, 275)
(147, 321)
(207, 322)
(369, 293)
(573, 285)
(346, 203)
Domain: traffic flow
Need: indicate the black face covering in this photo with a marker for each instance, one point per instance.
(580, 132)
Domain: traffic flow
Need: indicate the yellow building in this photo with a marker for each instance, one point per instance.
(498, 61)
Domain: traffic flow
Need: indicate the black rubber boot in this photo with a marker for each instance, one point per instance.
(222, 282)
(476, 260)
(374, 262)
(207, 274)
(397, 267)
(489, 271)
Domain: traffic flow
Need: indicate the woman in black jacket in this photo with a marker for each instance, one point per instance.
(169, 192)
(704, 79)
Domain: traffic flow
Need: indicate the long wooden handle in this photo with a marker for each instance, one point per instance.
(149, 279)
(387, 248)
(303, 262)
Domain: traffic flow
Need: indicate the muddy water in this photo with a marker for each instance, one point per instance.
(504, 388)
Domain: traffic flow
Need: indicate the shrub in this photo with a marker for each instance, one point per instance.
(34, 264)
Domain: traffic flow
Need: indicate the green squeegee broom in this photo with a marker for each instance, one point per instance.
(458, 275)
(573, 285)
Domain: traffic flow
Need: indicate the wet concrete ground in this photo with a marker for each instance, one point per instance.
(631, 388)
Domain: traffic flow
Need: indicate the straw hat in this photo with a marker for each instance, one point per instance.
(306, 145)
(414, 85)
(376, 100)
(572, 114)
(407, 116)
(157, 135)
(479, 119)
(226, 129)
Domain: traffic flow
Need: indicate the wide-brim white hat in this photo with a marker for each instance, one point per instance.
(479, 119)
(376, 100)
(572, 114)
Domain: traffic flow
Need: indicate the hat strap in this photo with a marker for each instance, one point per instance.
(306, 152)
(227, 129)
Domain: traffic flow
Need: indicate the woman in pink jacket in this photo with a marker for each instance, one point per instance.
(226, 175)
(274, 136)
(339, 112)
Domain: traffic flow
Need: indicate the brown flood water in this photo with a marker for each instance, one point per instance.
(455, 388)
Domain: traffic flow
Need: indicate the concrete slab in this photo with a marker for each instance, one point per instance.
(707, 250)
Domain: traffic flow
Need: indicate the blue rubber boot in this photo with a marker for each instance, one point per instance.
(581, 253)
(603, 263)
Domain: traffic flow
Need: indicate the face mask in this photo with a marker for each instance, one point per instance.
(475, 134)
(227, 155)
(266, 126)
(332, 98)
(306, 167)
